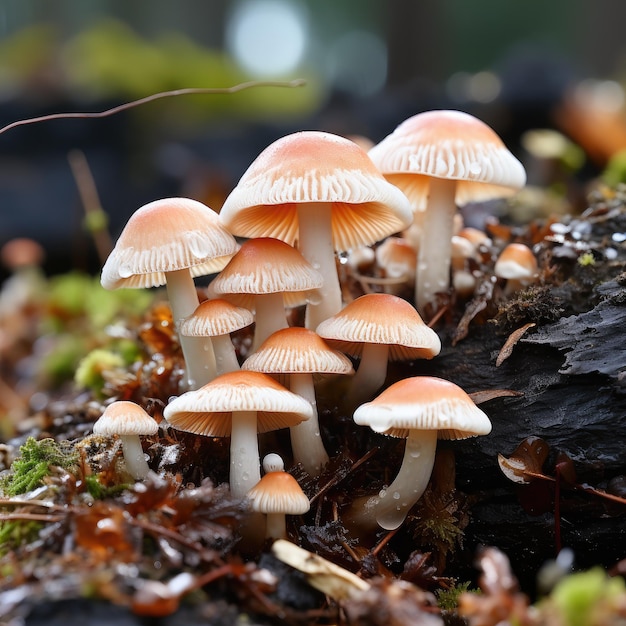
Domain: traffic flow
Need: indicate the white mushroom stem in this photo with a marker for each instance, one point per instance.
(269, 316)
(134, 458)
(276, 526)
(245, 460)
(316, 246)
(395, 501)
(225, 355)
(306, 441)
(198, 354)
(435, 249)
(370, 374)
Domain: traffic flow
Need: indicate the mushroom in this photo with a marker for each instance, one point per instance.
(128, 420)
(277, 494)
(518, 265)
(265, 276)
(238, 405)
(378, 327)
(322, 191)
(398, 259)
(441, 159)
(300, 353)
(421, 408)
(168, 242)
(217, 319)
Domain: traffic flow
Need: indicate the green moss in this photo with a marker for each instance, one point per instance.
(586, 258)
(33, 465)
(579, 596)
(99, 492)
(90, 371)
(615, 171)
(448, 599)
(28, 472)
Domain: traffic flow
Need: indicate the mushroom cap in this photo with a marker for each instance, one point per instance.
(517, 262)
(125, 418)
(385, 319)
(267, 265)
(215, 317)
(21, 252)
(278, 492)
(316, 167)
(297, 350)
(208, 410)
(451, 145)
(165, 236)
(397, 257)
(424, 403)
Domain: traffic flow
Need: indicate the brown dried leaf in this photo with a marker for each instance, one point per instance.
(491, 394)
(510, 343)
(526, 463)
(484, 294)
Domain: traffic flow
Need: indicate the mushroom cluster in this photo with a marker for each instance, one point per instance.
(307, 197)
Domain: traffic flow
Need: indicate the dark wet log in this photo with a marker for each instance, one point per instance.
(571, 377)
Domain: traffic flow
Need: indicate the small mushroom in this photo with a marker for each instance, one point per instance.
(266, 275)
(168, 242)
(518, 266)
(238, 405)
(217, 319)
(277, 494)
(378, 327)
(421, 409)
(128, 421)
(300, 353)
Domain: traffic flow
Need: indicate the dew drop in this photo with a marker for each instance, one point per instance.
(125, 271)
(198, 247)
(396, 495)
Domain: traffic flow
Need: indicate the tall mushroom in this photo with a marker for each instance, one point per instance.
(421, 408)
(378, 327)
(127, 421)
(322, 191)
(238, 405)
(441, 159)
(266, 275)
(217, 319)
(168, 242)
(300, 353)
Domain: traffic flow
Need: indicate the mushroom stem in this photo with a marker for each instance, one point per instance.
(370, 374)
(134, 458)
(395, 501)
(316, 246)
(245, 460)
(306, 441)
(435, 250)
(198, 353)
(269, 316)
(225, 355)
(276, 526)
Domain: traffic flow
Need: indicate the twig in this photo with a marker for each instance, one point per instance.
(96, 218)
(337, 478)
(298, 82)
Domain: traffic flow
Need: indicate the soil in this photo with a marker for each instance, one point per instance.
(546, 363)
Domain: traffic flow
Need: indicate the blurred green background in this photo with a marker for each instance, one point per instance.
(368, 65)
